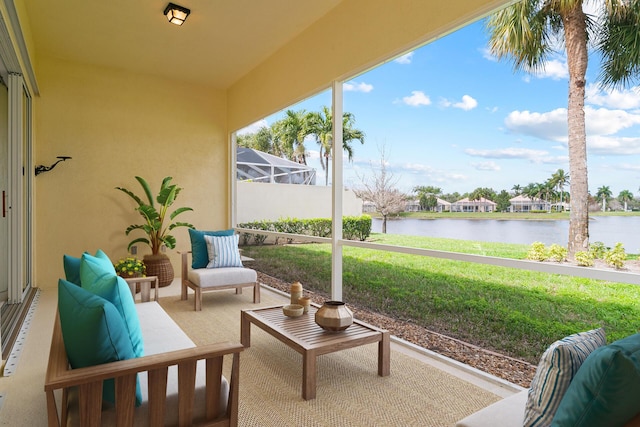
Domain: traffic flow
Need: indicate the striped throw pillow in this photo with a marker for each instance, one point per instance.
(558, 365)
(223, 251)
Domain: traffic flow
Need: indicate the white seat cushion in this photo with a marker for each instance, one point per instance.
(507, 412)
(160, 334)
(224, 276)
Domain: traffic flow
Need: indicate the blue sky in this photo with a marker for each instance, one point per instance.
(449, 115)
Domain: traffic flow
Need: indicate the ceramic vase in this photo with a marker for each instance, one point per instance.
(334, 316)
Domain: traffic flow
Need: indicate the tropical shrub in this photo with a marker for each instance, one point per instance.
(537, 252)
(615, 257)
(598, 250)
(585, 258)
(353, 227)
(557, 253)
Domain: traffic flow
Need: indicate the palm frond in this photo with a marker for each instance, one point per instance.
(522, 32)
(130, 194)
(146, 188)
(620, 44)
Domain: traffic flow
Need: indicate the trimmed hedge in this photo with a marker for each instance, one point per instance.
(353, 228)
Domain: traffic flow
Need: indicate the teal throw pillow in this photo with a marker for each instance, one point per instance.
(104, 260)
(199, 254)
(99, 278)
(223, 251)
(606, 389)
(93, 332)
(72, 266)
(71, 269)
(558, 365)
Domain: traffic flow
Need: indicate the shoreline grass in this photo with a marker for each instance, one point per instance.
(512, 216)
(513, 312)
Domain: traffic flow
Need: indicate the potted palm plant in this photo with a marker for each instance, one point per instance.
(155, 212)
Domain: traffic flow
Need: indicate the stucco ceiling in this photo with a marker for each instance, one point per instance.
(220, 42)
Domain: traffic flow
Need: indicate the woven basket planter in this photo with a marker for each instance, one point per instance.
(160, 266)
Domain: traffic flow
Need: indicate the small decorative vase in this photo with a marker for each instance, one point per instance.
(296, 292)
(334, 316)
(160, 266)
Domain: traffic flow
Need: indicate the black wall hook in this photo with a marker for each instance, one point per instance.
(42, 168)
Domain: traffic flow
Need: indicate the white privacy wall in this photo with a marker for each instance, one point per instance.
(262, 201)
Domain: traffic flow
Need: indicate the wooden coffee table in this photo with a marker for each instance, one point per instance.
(307, 338)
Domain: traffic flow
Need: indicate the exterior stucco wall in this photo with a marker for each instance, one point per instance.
(117, 125)
(261, 201)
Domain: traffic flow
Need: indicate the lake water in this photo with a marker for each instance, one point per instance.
(607, 229)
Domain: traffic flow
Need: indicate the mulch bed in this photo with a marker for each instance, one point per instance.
(505, 367)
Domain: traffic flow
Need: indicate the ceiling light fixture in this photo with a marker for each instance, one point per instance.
(176, 14)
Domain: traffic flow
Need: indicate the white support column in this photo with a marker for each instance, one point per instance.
(337, 190)
(233, 187)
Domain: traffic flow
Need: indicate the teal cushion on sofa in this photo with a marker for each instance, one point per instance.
(199, 254)
(606, 389)
(72, 266)
(104, 260)
(71, 269)
(98, 276)
(93, 332)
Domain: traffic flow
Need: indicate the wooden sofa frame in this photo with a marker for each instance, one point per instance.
(186, 284)
(89, 380)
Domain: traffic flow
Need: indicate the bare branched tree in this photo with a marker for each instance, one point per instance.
(380, 190)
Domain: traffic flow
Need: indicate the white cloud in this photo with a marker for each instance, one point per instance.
(508, 153)
(404, 59)
(628, 167)
(602, 121)
(486, 54)
(357, 87)
(534, 156)
(486, 166)
(554, 69)
(467, 103)
(417, 99)
(253, 128)
(551, 125)
(613, 146)
(613, 98)
(312, 154)
(417, 167)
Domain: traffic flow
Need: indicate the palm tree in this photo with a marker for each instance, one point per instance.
(547, 189)
(530, 190)
(517, 190)
(321, 125)
(625, 197)
(602, 195)
(481, 193)
(289, 134)
(525, 33)
(559, 179)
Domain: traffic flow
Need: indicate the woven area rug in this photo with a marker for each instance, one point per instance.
(349, 391)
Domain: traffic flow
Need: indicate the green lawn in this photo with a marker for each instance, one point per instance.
(517, 313)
